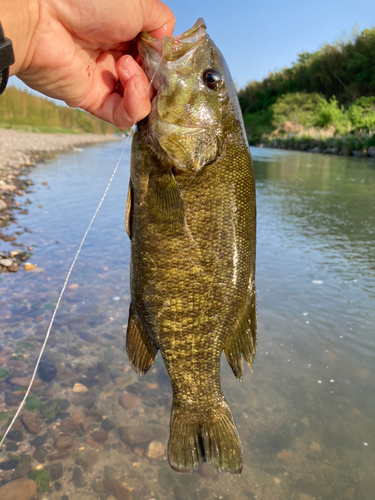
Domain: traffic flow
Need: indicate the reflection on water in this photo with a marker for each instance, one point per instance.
(306, 415)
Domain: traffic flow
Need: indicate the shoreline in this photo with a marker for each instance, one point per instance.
(19, 152)
(313, 147)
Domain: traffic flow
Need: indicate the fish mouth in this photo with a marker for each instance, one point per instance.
(153, 51)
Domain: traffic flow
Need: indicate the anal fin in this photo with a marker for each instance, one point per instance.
(141, 351)
(242, 344)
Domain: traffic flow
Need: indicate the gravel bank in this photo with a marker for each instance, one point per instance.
(19, 151)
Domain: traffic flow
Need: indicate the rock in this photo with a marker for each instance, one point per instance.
(207, 470)
(122, 382)
(79, 388)
(358, 153)
(99, 436)
(47, 371)
(39, 440)
(31, 423)
(315, 150)
(71, 424)
(40, 455)
(15, 435)
(129, 401)
(8, 465)
(64, 443)
(88, 382)
(135, 435)
(21, 471)
(55, 471)
(284, 455)
(30, 267)
(155, 449)
(371, 151)
(58, 455)
(119, 491)
(88, 337)
(78, 479)
(107, 424)
(20, 489)
(315, 446)
(6, 262)
(3, 205)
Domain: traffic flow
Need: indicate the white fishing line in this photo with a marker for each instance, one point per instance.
(73, 264)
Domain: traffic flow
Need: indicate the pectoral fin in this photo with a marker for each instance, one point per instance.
(242, 344)
(141, 352)
(128, 216)
(164, 201)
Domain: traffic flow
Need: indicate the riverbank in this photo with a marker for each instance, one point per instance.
(343, 146)
(19, 152)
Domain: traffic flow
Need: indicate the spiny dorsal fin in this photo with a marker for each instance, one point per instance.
(242, 344)
(141, 352)
(165, 201)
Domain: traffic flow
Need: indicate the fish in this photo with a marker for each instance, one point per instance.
(191, 219)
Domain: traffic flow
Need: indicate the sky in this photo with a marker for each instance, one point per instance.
(257, 37)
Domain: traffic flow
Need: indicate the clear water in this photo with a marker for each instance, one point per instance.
(306, 415)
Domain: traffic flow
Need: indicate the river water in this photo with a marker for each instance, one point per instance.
(306, 415)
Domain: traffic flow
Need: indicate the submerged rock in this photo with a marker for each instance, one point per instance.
(20, 489)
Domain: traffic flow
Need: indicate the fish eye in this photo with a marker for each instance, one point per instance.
(212, 78)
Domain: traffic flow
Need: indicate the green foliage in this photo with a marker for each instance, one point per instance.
(21, 110)
(362, 114)
(32, 403)
(343, 69)
(49, 409)
(258, 124)
(298, 107)
(42, 479)
(331, 114)
(3, 373)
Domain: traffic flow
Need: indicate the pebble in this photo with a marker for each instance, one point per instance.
(30, 267)
(73, 286)
(47, 371)
(207, 470)
(107, 424)
(135, 435)
(25, 382)
(129, 401)
(88, 337)
(119, 491)
(8, 465)
(20, 489)
(6, 262)
(40, 455)
(21, 471)
(99, 436)
(58, 455)
(3, 205)
(78, 479)
(315, 446)
(284, 455)
(15, 435)
(55, 471)
(155, 449)
(122, 382)
(79, 388)
(31, 423)
(64, 443)
(71, 424)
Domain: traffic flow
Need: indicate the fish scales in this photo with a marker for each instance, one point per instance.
(191, 219)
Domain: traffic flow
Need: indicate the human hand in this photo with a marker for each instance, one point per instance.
(78, 50)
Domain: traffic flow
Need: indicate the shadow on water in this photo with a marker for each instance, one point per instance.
(306, 413)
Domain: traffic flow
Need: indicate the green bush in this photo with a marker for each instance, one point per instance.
(298, 107)
(332, 114)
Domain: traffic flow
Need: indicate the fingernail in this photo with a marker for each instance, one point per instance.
(139, 87)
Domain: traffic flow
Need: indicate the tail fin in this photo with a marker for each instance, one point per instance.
(209, 436)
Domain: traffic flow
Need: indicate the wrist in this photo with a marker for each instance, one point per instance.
(19, 19)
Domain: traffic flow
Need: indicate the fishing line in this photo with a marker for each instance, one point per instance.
(74, 262)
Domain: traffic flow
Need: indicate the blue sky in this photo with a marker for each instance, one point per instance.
(257, 37)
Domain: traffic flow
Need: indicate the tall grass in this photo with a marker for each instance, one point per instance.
(22, 110)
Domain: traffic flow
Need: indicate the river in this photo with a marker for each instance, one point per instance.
(306, 415)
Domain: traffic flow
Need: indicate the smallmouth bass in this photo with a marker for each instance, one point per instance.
(191, 218)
